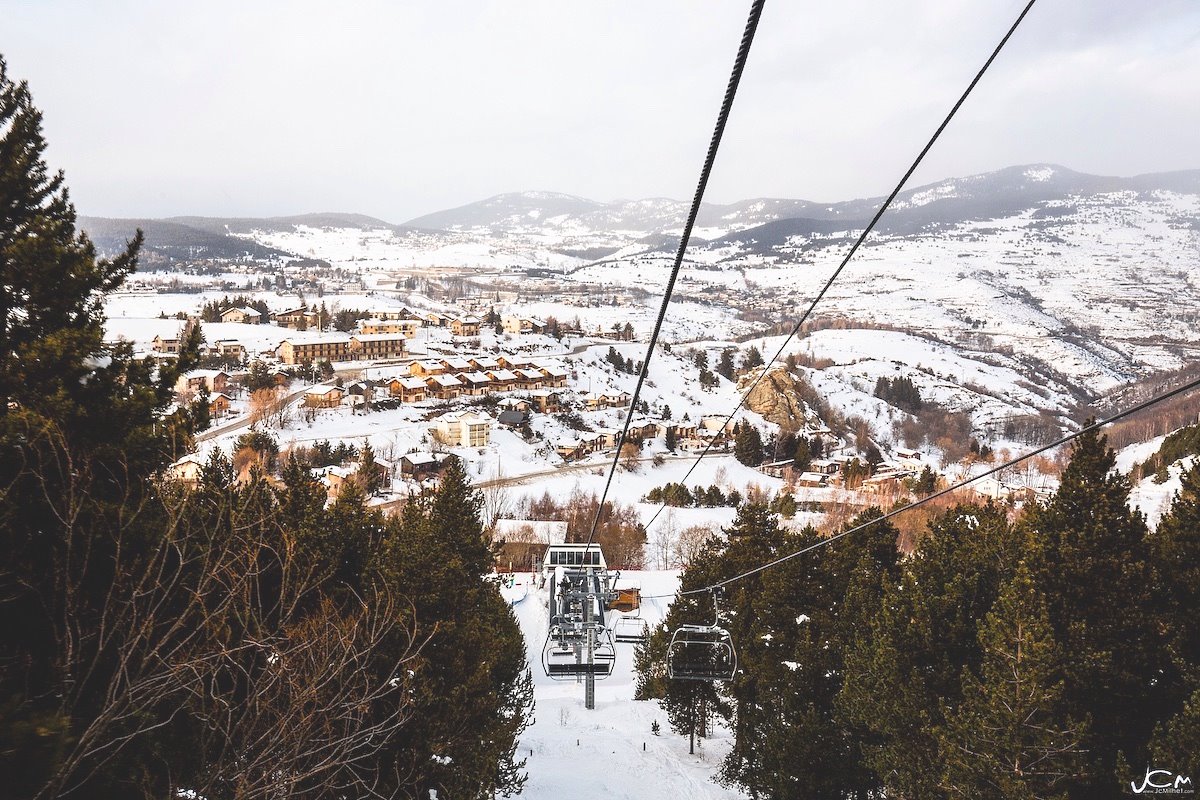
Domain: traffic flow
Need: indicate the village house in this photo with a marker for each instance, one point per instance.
(474, 383)
(465, 326)
(518, 325)
(455, 364)
(409, 390)
(393, 314)
(229, 348)
(553, 376)
(423, 369)
(546, 401)
(502, 379)
(324, 396)
(812, 480)
(515, 362)
(529, 379)
(186, 470)
(214, 380)
(443, 387)
(436, 319)
(483, 363)
(245, 316)
(825, 466)
(512, 418)
(421, 466)
(463, 429)
(161, 345)
(218, 404)
(296, 318)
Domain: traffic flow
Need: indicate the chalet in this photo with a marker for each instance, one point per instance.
(825, 466)
(402, 327)
(502, 379)
(436, 319)
(218, 404)
(463, 429)
(465, 326)
(161, 345)
(420, 466)
(512, 418)
(443, 387)
(777, 469)
(324, 396)
(908, 456)
(483, 363)
(423, 369)
(529, 379)
(518, 325)
(229, 348)
(812, 480)
(409, 390)
(294, 318)
(515, 362)
(553, 376)
(716, 424)
(280, 377)
(331, 347)
(214, 380)
(376, 346)
(363, 390)
(454, 364)
(333, 479)
(684, 431)
(186, 469)
(474, 383)
(547, 401)
(571, 449)
(246, 316)
(514, 404)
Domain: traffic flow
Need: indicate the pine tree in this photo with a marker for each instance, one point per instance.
(747, 445)
(725, 364)
(1010, 736)
(1098, 579)
(752, 359)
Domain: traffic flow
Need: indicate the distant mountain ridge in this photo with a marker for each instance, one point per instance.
(584, 225)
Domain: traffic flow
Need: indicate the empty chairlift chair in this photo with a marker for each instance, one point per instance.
(702, 652)
(565, 652)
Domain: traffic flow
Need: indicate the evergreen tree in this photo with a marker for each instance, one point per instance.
(1010, 737)
(747, 445)
(672, 438)
(725, 364)
(1098, 580)
(370, 473)
(752, 359)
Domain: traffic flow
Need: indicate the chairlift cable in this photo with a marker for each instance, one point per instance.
(858, 243)
(735, 77)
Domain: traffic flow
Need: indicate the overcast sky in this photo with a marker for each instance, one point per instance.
(399, 109)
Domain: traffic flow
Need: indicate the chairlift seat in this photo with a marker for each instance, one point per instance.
(701, 653)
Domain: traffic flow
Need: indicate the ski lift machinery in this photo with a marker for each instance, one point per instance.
(578, 643)
(702, 652)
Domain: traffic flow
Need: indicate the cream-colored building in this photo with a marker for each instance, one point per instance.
(464, 429)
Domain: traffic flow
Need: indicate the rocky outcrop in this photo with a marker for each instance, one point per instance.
(777, 397)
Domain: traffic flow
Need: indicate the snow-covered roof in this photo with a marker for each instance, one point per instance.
(485, 362)
(446, 380)
(532, 374)
(412, 383)
(502, 375)
(456, 363)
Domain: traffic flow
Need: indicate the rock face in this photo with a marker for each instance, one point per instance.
(777, 397)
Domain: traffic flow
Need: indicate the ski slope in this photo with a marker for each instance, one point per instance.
(572, 752)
